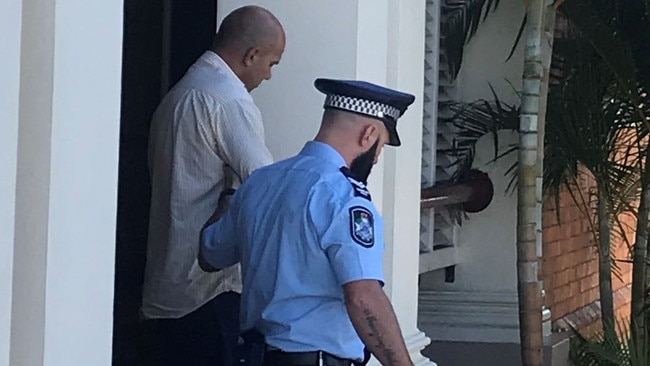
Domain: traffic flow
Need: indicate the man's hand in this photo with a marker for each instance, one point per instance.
(374, 320)
(222, 207)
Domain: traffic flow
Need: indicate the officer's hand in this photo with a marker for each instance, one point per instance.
(222, 207)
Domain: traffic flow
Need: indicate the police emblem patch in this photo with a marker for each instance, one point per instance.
(362, 226)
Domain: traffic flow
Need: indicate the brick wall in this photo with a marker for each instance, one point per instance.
(570, 265)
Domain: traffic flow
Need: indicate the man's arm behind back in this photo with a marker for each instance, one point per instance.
(374, 320)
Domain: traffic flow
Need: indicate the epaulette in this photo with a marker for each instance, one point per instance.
(358, 186)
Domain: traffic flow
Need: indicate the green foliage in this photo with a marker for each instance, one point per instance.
(592, 129)
(475, 120)
(597, 122)
(461, 21)
(625, 349)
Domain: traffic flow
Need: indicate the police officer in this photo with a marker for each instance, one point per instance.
(310, 240)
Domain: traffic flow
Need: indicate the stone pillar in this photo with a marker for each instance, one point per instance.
(68, 138)
(401, 194)
(10, 23)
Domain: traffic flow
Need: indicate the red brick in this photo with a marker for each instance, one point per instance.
(588, 283)
(581, 270)
(553, 233)
(552, 249)
(564, 292)
(570, 264)
(549, 218)
(584, 255)
(576, 228)
(561, 309)
(593, 266)
(566, 214)
(574, 290)
(563, 277)
(549, 265)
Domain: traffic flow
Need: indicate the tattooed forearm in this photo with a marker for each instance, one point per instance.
(374, 319)
(377, 336)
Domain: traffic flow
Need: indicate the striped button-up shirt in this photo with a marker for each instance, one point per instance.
(206, 132)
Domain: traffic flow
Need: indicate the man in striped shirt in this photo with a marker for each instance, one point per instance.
(206, 134)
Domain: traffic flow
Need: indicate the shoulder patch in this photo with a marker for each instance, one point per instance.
(358, 186)
(362, 226)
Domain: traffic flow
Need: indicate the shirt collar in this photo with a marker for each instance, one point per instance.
(323, 151)
(218, 63)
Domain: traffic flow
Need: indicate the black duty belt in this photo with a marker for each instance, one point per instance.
(316, 358)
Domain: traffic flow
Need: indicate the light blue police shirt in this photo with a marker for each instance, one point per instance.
(301, 228)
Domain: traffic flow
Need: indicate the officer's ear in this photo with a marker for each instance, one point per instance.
(369, 135)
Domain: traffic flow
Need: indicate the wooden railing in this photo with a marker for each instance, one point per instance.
(472, 195)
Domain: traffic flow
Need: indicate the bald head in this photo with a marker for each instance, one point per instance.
(247, 27)
(251, 41)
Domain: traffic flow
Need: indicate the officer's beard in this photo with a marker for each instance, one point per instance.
(361, 166)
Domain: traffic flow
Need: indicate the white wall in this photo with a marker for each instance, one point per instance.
(324, 39)
(316, 47)
(66, 193)
(484, 60)
(32, 194)
(10, 22)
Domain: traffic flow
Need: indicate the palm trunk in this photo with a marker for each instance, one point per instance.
(528, 212)
(639, 267)
(547, 52)
(605, 264)
(634, 22)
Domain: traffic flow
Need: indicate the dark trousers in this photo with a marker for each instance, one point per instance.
(205, 337)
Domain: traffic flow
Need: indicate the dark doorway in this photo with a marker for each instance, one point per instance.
(162, 38)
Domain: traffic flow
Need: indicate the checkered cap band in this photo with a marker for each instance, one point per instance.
(363, 106)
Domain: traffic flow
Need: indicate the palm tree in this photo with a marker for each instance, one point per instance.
(612, 72)
(620, 33)
(528, 209)
(588, 131)
(458, 29)
(607, 351)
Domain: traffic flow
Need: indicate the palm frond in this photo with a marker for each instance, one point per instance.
(520, 32)
(475, 120)
(596, 21)
(460, 22)
(625, 349)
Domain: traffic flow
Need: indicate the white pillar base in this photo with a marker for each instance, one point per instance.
(415, 343)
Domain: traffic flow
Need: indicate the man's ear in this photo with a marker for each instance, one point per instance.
(368, 136)
(250, 56)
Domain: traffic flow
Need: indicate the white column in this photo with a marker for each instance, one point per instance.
(405, 72)
(68, 142)
(10, 21)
